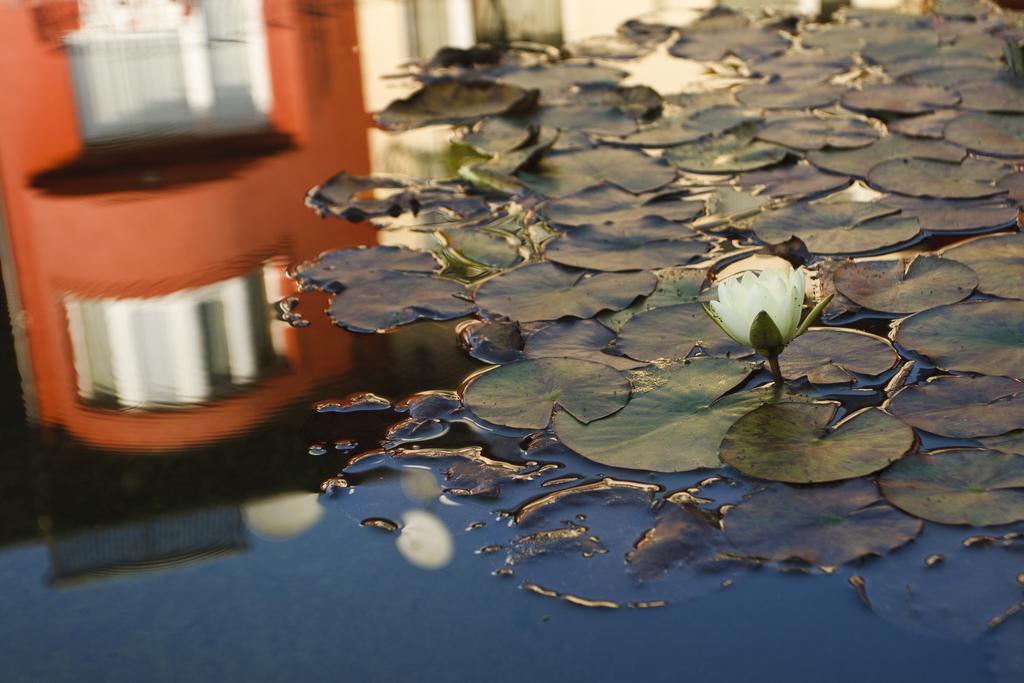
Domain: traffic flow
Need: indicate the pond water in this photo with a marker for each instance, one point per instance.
(178, 415)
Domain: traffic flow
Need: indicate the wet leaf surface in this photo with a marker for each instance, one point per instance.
(544, 291)
(836, 355)
(521, 395)
(975, 336)
(821, 525)
(838, 228)
(797, 443)
(455, 101)
(812, 132)
(962, 407)
(959, 486)
(682, 535)
(673, 423)
(998, 260)
(900, 286)
(674, 332)
(970, 179)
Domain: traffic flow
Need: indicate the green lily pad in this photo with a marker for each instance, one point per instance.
(962, 407)
(675, 286)
(780, 95)
(729, 153)
(813, 132)
(805, 66)
(711, 39)
(723, 205)
(900, 287)
(798, 180)
(674, 332)
(552, 78)
(794, 443)
(342, 266)
(606, 203)
(485, 247)
(457, 102)
(581, 339)
(1012, 442)
(976, 336)
(998, 260)
(1004, 95)
(600, 120)
(836, 228)
(673, 423)
(565, 172)
(827, 355)
(858, 162)
(499, 135)
(522, 395)
(822, 525)
(960, 486)
(931, 125)
(389, 298)
(998, 135)
(597, 249)
(973, 178)
(667, 131)
(544, 291)
(955, 215)
(899, 98)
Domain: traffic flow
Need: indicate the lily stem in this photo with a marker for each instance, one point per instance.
(773, 363)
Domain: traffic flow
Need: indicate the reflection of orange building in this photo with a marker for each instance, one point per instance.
(121, 254)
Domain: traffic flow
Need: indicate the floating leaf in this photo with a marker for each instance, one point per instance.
(970, 179)
(931, 125)
(836, 228)
(673, 423)
(346, 196)
(483, 246)
(391, 298)
(858, 162)
(455, 101)
(522, 395)
(821, 525)
(955, 215)
(799, 180)
(647, 244)
(582, 339)
(500, 135)
(833, 355)
(725, 205)
(900, 287)
(674, 332)
(975, 336)
(802, 66)
(544, 291)
(608, 204)
(813, 132)
(1013, 442)
(682, 535)
(675, 286)
(729, 153)
(794, 442)
(563, 75)
(899, 98)
(997, 95)
(779, 95)
(332, 269)
(564, 172)
(600, 120)
(998, 260)
(959, 486)
(998, 135)
(962, 407)
(492, 341)
(712, 41)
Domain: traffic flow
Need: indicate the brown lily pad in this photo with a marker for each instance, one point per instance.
(998, 135)
(973, 178)
(813, 132)
(899, 286)
(962, 407)
(899, 98)
(858, 162)
(455, 101)
(998, 260)
(827, 355)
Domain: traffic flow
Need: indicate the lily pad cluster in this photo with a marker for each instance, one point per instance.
(589, 220)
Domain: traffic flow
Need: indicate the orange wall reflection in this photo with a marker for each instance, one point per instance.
(187, 213)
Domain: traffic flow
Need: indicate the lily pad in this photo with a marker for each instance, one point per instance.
(836, 355)
(606, 203)
(712, 40)
(564, 172)
(682, 535)
(623, 247)
(544, 291)
(1013, 442)
(333, 269)
(976, 336)
(899, 98)
(813, 132)
(931, 125)
(674, 332)
(805, 66)
(955, 215)
(962, 407)
(959, 486)
(780, 95)
(581, 339)
(998, 95)
(390, 298)
(597, 119)
(796, 443)
(998, 135)
(729, 153)
(858, 162)
(836, 228)
(900, 287)
(673, 423)
(675, 286)
(998, 260)
(822, 525)
(552, 78)
(799, 180)
(973, 178)
(522, 395)
(457, 102)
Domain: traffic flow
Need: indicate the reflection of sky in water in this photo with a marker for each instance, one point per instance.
(260, 578)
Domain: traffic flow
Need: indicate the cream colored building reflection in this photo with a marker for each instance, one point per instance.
(425, 540)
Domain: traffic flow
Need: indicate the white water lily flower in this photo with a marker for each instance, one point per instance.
(779, 294)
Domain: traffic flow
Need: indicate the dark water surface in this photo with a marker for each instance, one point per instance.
(161, 516)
